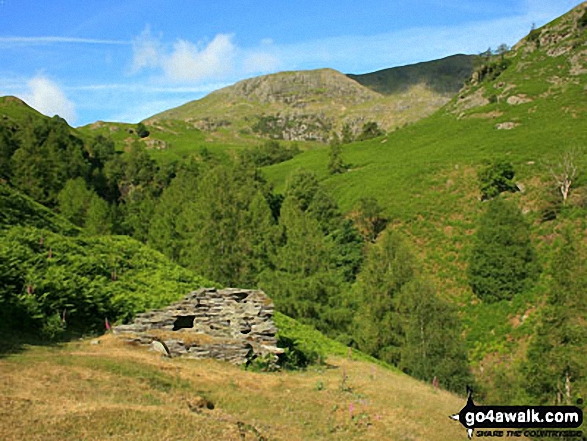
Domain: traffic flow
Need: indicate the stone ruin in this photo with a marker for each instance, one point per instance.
(234, 325)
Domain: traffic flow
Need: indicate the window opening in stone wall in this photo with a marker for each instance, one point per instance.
(184, 322)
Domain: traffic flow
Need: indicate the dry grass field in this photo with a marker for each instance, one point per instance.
(116, 391)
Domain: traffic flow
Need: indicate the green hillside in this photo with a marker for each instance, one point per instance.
(53, 285)
(528, 108)
(50, 268)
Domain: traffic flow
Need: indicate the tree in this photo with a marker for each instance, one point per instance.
(502, 262)
(369, 219)
(221, 234)
(335, 163)
(370, 130)
(8, 145)
(347, 135)
(555, 367)
(165, 234)
(496, 177)
(502, 49)
(142, 130)
(47, 157)
(302, 281)
(98, 217)
(389, 266)
(564, 172)
(302, 186)
(432, 345)
(74, 201)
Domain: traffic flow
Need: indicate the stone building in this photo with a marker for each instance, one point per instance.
(228, 324)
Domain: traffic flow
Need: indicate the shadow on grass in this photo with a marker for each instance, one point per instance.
(15, 341)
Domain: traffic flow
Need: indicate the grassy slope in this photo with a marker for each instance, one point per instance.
(116, 391)
(425, 175)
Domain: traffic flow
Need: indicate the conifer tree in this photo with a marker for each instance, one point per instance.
(165, 234)
(502, 262)
(555, 369)
(302, 280)
(388, 267)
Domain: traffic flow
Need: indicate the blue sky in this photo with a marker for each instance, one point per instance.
(126, 60)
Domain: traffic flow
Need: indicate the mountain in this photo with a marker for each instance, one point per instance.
(444, 76)
(309, 105)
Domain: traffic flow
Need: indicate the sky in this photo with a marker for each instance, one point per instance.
(126, 60)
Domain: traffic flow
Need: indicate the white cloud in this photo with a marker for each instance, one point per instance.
(146, 51)
(260, 62)
(187, 63)
(45, 96)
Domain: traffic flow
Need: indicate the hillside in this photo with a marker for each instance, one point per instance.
(445, 76)
(49, 266)
(528, 108)
(304, 106)
(115, 391)
(52, 283)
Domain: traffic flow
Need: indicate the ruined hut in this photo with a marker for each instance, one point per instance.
(228, 324)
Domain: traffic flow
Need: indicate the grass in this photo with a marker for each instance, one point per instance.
(116, 391)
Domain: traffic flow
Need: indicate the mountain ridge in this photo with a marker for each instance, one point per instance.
(309, 105)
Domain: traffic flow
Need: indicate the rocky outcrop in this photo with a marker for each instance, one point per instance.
(229, 324)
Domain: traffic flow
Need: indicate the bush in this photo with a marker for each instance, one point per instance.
(495, 178)
(295, 356)
(142, 130)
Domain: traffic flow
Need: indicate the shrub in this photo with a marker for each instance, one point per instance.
(495, 178)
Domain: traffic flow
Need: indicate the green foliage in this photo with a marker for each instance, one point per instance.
(17, 209)
(432, 344)
(555, 369)
(388, 268)
(368, 218)
(48, 155)
(74, 201)
(165, 234)
(8, 145)
(502, 262)
(295, 356)
(142, 130)
(493, 69)
(335, 162)
(270, 152)
(495, 178)
(302, 186)
(228, 227)
(45, 276)
(99, 217)
(370, 130)
(302, 281)
(347, 135)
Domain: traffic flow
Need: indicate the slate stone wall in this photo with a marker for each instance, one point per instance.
(227, 324)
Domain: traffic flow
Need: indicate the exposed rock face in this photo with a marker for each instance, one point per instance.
(227, 324)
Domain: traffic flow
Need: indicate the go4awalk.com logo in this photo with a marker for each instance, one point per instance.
(517, 421)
